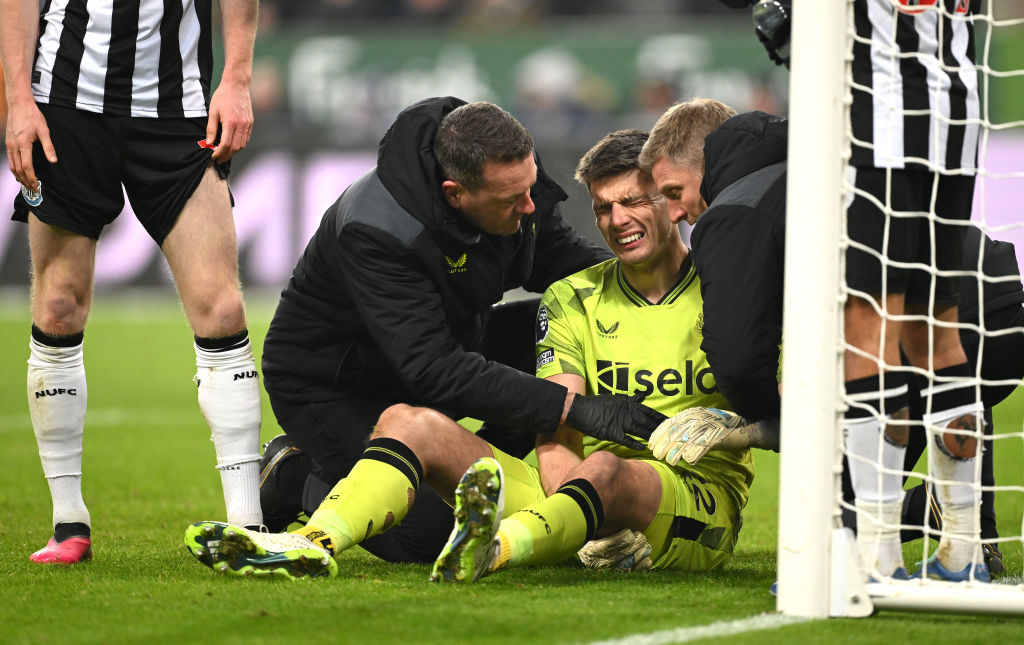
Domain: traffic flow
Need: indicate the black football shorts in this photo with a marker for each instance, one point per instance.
(160, 162)
(901, 236)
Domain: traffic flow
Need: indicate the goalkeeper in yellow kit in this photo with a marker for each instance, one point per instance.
(628, 326)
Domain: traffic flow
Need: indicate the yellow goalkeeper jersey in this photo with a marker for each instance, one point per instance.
(596, 325)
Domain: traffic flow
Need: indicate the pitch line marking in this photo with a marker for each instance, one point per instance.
(714, 630)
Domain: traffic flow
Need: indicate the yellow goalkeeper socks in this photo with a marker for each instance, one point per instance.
(375, 496)
(551, 530)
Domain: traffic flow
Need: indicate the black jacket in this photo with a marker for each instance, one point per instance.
(392, 294)
(738, 251)
(999, 261)
(1001, 356)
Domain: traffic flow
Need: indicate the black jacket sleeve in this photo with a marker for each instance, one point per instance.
(402, 310)
(738, 253)
(560, 251)
(999, 260)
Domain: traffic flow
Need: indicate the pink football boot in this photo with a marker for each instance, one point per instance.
(70, 551)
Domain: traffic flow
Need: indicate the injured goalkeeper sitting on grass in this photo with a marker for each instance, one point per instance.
(627, 326)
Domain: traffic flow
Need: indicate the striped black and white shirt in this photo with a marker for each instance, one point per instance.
(143, 58)
(915, 86)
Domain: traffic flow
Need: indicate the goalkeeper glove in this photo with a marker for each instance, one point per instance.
(690, 434)
(626, 550)
(611, 417)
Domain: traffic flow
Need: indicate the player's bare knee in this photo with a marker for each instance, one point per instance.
(897, 433)
(60, 314)
(402, 421)
(962, 444)
(600, 468)
(859, 308)
(426, 432)
(218, 316)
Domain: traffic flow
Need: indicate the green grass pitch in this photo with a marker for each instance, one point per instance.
(149, 473)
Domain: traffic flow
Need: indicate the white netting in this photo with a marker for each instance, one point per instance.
(998, 211)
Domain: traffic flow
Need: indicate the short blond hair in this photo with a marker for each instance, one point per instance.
(679, 133)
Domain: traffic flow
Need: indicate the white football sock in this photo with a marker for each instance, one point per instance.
(878, 535)
(229, 397)
(57, 397)
(879, 495)
(956, 491)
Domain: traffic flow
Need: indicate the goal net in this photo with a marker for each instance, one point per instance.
(820, 572)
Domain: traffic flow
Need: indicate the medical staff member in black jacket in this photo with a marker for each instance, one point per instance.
(727, 175)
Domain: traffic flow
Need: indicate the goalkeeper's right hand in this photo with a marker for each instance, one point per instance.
(613, 417)
(693, 432)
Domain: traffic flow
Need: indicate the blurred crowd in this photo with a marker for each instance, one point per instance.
(475, 12)
(331, 72)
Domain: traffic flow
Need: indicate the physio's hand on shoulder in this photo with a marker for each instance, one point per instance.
(626, 550)
(26, 125)
(612, 417)
(231, 109)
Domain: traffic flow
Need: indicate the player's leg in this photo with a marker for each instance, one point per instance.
(75, 200)
(875, 424)
(697, 523)
(953, 410)
(600, 496)
(62, 270)
(326, 439)
(952, 420)
(876, 433)
(490, 488)
(479, 505)
(690, 522)
(409, 446)
(323, 440)
(202, 254)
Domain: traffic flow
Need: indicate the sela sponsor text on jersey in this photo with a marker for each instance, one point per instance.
(617, 377)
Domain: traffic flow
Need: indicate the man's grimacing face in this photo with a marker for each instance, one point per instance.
(498, 206)
(632, 217)
(680, 186)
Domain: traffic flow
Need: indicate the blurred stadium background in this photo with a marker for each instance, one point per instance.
(330, 75)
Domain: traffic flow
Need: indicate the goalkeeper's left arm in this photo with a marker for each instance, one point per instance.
(694, 432)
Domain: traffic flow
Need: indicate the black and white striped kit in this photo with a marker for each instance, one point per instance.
(915, 85)
(143, 58)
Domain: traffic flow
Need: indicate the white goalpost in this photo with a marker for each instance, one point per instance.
(819, 573)
(811, 357)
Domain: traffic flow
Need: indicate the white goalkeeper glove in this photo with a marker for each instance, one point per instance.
(626, 550)
(690, 434)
